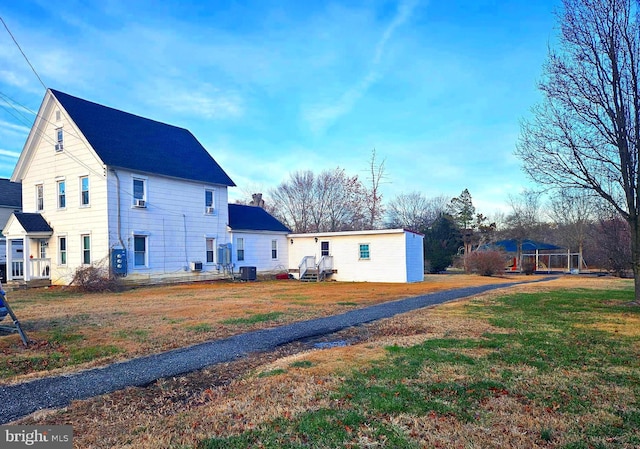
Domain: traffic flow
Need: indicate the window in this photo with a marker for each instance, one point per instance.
(210, 250)
(39, 197)
(274, 249)
(324, 248)
(84, 191)
(62, 195)
(86, 249)
(139, 192)
(139, 250)
(364, 251)
(240, 249)
(208, 202)
(43, 248)
(59, 139)
(62, 250)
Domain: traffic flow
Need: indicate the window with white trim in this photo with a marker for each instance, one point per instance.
(59, 139)
(86, 249)
(39, 197)
(364, 251)
(62, 250)
(139, 192)
(84, 190)
(211, 246)
(240, 249)
(62, 195)
(140, 251)
(209, 202)
(274, 249)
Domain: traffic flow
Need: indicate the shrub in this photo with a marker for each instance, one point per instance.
(528, 267)
(486, 263)
(95, 279)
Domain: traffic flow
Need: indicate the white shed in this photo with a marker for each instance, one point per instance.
(388, 255)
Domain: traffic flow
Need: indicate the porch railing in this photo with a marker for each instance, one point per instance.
(40, 268)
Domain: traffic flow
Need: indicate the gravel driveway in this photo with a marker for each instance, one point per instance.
(58, 391)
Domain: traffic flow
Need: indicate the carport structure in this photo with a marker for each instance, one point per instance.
(544, 257)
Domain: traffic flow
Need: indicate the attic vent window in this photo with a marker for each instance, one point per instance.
(57, 116)
(59, 139)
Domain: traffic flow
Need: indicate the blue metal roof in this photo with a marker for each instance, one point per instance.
(129, 141)
(511, 246)
(10, 194)
(32, 222)
(252, 218)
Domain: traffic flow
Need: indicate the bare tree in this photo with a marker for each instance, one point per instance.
(586, 132)
(293, 201)
(375, 207)
(330, 201)
(415, 211)
(573, 212)
(524, 220)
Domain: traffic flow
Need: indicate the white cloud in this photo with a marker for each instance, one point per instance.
(13, 128)
(11, 154)
(322, 116)
(204, 101)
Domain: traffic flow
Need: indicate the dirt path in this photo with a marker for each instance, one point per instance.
(25, 398)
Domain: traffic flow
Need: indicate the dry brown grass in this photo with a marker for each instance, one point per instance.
(234, 397)
(154, 319)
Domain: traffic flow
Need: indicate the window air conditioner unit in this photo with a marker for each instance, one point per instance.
(140, 203)
(59, 147)
(196, 266)
(210, 210)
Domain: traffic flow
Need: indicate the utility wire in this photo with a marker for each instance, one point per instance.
(19, 48)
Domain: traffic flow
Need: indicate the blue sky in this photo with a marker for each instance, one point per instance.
(438, 88)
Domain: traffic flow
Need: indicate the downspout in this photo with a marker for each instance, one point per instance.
(115, 173)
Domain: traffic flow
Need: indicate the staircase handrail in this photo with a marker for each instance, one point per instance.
(325, 264)
(304, 265)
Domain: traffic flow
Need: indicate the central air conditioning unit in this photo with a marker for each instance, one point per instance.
(196, 266)
(140, 203)
(248, 273)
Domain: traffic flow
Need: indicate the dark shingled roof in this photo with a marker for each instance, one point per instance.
(252, 218)
(129, 141)
(10, 194)
(32, 222)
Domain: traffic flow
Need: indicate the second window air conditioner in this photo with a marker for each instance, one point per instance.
(140, 203)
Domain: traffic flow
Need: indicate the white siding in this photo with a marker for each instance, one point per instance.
(257, 251)
(174, 220)
(389, 251)
(47, 166)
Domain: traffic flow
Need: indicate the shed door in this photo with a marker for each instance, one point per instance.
(324, 248)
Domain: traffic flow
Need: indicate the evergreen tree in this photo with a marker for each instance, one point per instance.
(441, 243)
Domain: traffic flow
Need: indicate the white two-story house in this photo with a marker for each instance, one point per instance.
(147, 202)
(104, 187)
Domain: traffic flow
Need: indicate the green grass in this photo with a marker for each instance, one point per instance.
(21, 364)
(201, 327)
(573, 369)
(254, 319)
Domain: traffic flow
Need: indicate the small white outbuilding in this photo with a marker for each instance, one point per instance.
(388, 255)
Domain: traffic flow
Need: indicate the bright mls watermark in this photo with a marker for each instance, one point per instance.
(50, 437)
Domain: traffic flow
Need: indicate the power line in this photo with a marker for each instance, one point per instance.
(19, 48)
